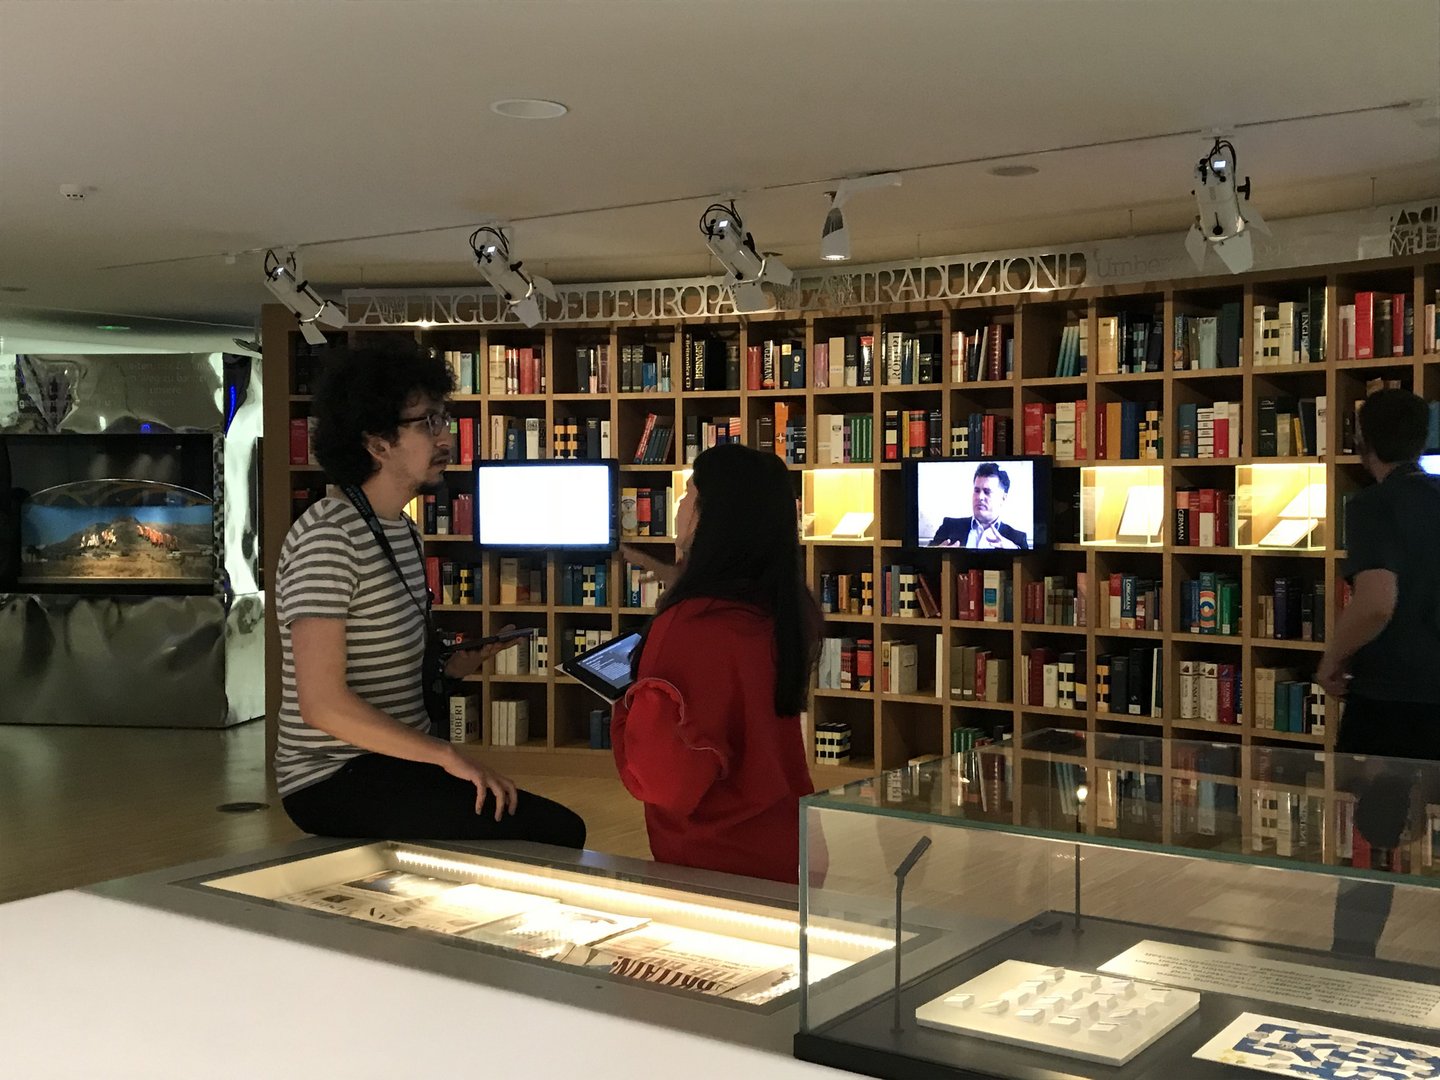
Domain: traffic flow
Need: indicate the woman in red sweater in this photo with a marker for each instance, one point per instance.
(708, 737)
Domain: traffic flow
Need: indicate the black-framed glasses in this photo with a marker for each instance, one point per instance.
(435, 422)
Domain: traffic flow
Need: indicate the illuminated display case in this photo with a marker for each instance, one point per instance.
(1281, 505)
(1125, 907)
(705, 952)
(838, 505)
(1122, 505)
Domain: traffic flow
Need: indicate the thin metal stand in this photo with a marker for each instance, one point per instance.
(901, 873)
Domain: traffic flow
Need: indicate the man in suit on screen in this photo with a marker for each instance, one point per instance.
(983, 530)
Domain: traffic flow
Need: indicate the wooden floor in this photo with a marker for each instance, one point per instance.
(81, 805)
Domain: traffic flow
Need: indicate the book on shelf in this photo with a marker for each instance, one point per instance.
(842, 438)
(701, 433)
(1071, 358)
(983, 355)
(910, 358)
(832, 743)
(645, 511)
(584, 584)
(521, 579)
(1055, 600)
(899, 667)
(641, 589)
(464, 718)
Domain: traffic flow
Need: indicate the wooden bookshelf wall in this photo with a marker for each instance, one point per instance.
(887, 729)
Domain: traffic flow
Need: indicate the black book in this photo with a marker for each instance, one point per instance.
(1138, 682)
(1119, 683)
(1265, 433)
(1227, 332)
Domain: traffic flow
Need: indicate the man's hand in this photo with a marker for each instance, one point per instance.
(486, 781)
(468, 661)
(991, 538)
(1332, 676)
(663, 572)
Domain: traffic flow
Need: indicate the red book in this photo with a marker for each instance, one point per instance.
(643, 506)
(1225, 694)
(864, 664)
(1207, 532)
(467, 441)
(1364, 325)
(996, 366)
(1101, 445)
(1359, 846)
(980, 658)
(432, 574)
(1034, 427)
(918, 432)
(299, 441)
(976, 594)
(1397, 324)
(752, 367)
(1082, 410)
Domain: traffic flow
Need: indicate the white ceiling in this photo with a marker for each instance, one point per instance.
(208, 127)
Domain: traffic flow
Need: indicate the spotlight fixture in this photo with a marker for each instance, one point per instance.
(725, 236)
(284, 279)
(834, 235)
(1223, 221)
(522, 290)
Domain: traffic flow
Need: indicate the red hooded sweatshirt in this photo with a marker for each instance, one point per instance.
(698, 741)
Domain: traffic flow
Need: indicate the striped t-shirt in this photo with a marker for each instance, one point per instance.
(331, 567)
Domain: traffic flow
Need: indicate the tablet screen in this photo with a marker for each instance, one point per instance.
(606, 670)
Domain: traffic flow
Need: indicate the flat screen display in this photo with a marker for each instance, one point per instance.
(980, 505)
(605, 670)
(566, 505)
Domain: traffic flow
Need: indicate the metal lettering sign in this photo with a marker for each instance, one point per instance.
(1346, 236)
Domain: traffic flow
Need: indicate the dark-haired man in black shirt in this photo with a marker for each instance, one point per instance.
(1384, 658)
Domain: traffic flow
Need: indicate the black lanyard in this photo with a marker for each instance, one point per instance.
(362, 506)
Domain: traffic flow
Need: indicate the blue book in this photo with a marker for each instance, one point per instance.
(1130, 429)
(1189, 429)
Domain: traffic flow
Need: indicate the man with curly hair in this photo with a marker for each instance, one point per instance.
(355, 756)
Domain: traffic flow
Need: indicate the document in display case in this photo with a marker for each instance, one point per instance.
(709, 953)
(1084, 905)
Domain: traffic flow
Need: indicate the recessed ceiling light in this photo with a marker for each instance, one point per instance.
(1014, 170)
(111, 326)
(529, 108)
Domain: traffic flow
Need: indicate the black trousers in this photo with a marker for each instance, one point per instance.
(379, 797)
(1383, 795)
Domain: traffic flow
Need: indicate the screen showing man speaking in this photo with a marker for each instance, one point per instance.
(986, 505)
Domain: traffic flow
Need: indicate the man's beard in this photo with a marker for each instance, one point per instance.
(432, 487)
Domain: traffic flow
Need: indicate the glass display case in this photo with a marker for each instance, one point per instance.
(838, 504)
(706, 952)
(1281, 505)
(1116, 906)
(1122, 505)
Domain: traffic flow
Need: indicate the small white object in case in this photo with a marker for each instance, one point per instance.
(1074, 1013)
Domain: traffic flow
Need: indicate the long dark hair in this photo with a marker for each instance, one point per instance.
(746, 548)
